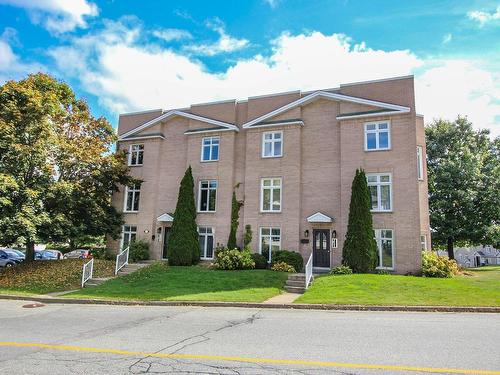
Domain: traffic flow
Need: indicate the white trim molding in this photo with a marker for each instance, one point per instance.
(174, 113)
(215, 130)
(140, 138)
(166, 218)
(374, 114)
(319, 217)
(325, 95)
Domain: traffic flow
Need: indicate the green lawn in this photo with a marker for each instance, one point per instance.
(163, 283)
(480, 289)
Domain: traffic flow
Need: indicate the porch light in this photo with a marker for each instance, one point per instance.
(146, 231)
(306, 233)
(158, 230)
(334, 234)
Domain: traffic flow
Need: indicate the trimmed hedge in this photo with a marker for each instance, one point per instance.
(138, 250)
(260, 261)
(292, 258)
(233, 260)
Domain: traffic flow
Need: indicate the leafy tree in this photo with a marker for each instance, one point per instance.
(235, 217)
(360, 249)
(56, 173)
(464, 183)
(183, 240)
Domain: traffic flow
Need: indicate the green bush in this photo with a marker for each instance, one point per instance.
(383, 272)
(138, 250)
(233, 260)
(100, 253)
(341, 270)
(290, 257)
(283, 267)
(260, 261)
(435, 266)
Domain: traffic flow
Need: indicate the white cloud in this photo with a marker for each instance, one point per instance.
(172, 34)
(128, 75)
(447, 38)
(224, 44)
(11, 66)
(272, 3)
(57, 16)
(460, 87)
(484, 17)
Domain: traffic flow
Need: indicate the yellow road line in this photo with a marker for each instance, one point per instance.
(247, 359)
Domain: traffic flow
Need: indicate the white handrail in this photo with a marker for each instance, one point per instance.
(88, 270)
(309, 270)
(121, 260)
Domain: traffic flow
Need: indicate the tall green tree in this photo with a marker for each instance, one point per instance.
(56, 172)
(183, 245)
(235, 222)
(360, 249)
(464, 183)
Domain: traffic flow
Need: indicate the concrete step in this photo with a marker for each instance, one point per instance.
(297, 277)
(298, 283)
(295, 289)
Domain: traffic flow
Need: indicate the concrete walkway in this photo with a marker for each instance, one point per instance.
(283, 298)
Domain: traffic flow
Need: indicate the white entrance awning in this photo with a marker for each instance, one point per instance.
(319, 217)
(166, 218)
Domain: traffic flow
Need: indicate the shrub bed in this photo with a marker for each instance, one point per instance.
(234, 259)
(435, 266)
(260, 261)
(283, 267)
(292, 258)
(138, 250)
(341, 270)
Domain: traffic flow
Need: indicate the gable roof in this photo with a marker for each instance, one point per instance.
(326, 95)
(173, 113)
(319, 217)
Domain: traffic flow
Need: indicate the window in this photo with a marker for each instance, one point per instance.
(270, 195)
(380, 186)
(270, 240)
(423, 242)
(136, 154)
(132, 195)
(129, 233)
(206, 239)
(377, 136)
(207, 196)
(210, 149)
(272, 144)
(385, 248)
(420, 163)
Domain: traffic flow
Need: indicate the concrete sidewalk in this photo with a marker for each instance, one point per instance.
(297, 306)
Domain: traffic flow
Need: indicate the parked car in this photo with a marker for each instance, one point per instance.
(56, 254)
(46, 255)
(13, 254)
(5, 261)
(78, 254)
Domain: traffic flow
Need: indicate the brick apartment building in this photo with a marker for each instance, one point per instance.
(293, 157)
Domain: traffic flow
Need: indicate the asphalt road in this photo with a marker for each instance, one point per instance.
(84, 339)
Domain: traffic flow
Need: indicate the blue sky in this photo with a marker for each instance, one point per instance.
(127, 55)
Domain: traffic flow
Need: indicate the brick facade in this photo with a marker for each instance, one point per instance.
(319, 160)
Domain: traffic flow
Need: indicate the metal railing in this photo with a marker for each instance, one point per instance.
(88, 270)
(121, 260)
(309, 270)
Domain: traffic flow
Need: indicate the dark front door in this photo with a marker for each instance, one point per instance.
(166, 234)
(321, 248)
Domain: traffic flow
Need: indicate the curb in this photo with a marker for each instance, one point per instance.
(452, 309)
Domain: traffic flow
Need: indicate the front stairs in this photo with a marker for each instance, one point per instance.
(296, 283)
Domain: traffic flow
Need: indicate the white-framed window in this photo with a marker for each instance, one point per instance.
(206, 239)
(270, 195)
(132, 197)
(272, 144)
(423, 242)
(136, 154)
(270, 241)
(129, 233)
(377, 136)
(207, 196)
(380, 186)
(210, 149)
(420, 163)
(385, 248)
